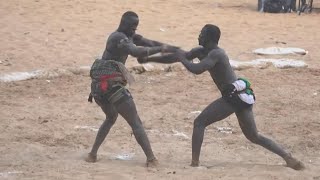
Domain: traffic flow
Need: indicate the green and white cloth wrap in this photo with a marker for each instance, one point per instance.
(243, 86)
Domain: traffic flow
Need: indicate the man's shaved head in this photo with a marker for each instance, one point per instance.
(213, 32)
(129, 23)
(209, 33)
(129, 14)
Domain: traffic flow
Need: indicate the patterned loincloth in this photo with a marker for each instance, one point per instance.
(107, 75)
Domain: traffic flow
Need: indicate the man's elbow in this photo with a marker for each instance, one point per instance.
(195, 71)
(198, 72)
(138, 54)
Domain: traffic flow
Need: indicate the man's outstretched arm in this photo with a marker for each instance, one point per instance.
(164, 58)
(141, 51)
(198, 68)
(141, 41)
(171, 57)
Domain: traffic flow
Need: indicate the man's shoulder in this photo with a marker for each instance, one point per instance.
(218, 51)
(117, 36)
(137, 37)
(197, 49)
(196, 52)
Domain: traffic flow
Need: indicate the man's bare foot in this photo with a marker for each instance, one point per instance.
(194, 163)
(294, 163)
(152, 163)
(91, 158)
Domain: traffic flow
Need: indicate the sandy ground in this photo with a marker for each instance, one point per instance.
(41, 135)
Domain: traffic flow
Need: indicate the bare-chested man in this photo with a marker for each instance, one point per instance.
(237, 96)
(109, 77)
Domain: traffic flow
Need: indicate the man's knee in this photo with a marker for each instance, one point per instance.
(112, 117)
(253, 137)
(198, 123)
(138, 130)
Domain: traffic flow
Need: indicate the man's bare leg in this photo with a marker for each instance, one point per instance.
(216, 111)
(127, 110)
(249, 129)
(111, 117)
